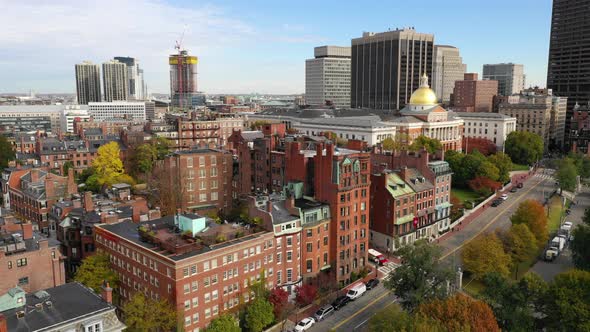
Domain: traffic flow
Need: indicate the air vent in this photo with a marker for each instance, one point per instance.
(39, 306)
(49, 304)
(20, 314)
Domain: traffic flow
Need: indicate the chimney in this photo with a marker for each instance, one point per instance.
(27, 231)
(403, 173)
(72, 187)
(34, 175)
(135, 213)
(3, 324)
(88, 203)
(269, 205)
(106, 292)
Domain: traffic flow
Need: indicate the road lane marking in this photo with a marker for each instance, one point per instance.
(358, 312)
(490, 223)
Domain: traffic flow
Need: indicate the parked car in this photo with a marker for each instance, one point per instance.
(513, 189)
(340, 302)
(504, 197)
(372, 283)
(497, 202)
(520, 185)
(357, 291)
(305, 324)
(323, 312)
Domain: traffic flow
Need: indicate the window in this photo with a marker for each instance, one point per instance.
(289, 274)
(289, 256)
(189, 162)
(187, 304)
(202, 173)
(23, 261)
(10, 264)
(193, 270)
(202, 197)
(207, 297)
(201, 161)
(23, 281)
(207, 313)
(93, 327)
(214, 196)
(187, 288)
(187, 320)
(213, 171)
(195, 302)
(309, 247)
(289, 241)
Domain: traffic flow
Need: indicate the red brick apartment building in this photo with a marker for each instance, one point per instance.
(473, 95)
(340, 178)
(204, 269)
(30, 193)
(203, 177)
(28, 259)
(410, 198)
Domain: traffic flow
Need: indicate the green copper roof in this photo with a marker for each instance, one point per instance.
(397, 187)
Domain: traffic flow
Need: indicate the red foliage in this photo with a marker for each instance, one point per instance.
(481, 184)
(483, 145)
(305, 294)
(278, 297)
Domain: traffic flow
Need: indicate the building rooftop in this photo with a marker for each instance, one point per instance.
(53, 307)
(479, 115)
(397, 187)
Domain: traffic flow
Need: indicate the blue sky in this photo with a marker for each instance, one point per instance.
(250, 46)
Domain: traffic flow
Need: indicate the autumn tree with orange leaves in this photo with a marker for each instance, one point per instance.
(459, 313)
(532, 214)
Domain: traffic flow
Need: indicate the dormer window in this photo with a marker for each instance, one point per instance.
(93, 327)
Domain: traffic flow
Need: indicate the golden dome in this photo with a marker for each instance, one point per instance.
(424, 95)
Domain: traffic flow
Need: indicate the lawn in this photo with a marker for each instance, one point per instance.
(517, 167)
(555, 213)
(465, 194)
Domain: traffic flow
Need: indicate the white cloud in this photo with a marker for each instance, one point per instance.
(54, 35)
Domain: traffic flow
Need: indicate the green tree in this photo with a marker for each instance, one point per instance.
(485, 254)
(568, 302)
(567, 174)
(398, 142)
(6, 152)
(67, 165)
(519, 242)
(144, 157)
(430, 144)
(108, 165)
(256, 125)
(516, 305)
(144, 314)
(421, 277)
(532, 214)
(455, 160)
(388, 144)
(504, 164)
(393, 318)
(488, 170)
(224, 323)
(162, 146)
(259, 314)
(580, 246)
(95, 270)
(524, 147)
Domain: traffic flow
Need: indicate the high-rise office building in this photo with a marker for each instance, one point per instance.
(568, 72)
(183, 80)
(473, 95)
(510, 77)
(135, 76)
(115, 81)
(87, 82)
(448, 68)
(386, 67)
(327, 77)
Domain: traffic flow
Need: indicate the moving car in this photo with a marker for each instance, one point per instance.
(305, 324)
(377, 257)
(340, 302)
(372, 283)
(497, 202)
(513, 189)
(323, 312)
(504, 197)
(357, 291)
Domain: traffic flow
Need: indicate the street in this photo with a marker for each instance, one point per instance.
(355, 315)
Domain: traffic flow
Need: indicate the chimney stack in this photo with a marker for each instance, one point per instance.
(107, 292)
(72, 187)
(27, 231)
(269, 205)
(88, 203)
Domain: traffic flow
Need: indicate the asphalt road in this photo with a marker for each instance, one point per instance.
(355, 315)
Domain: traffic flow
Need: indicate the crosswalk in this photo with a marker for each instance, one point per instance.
(543, 176)
(388, 267)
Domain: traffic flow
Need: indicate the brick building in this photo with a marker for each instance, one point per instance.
(415, 193)
(202, 268)
(31, 193)
(27, 258)
(203, 177)
(473, 95)
(197, 130)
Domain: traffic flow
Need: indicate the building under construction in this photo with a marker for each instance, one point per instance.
(183, 81)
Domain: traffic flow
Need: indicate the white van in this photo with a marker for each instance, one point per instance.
(357, 291)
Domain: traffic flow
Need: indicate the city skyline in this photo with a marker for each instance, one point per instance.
(255, 47)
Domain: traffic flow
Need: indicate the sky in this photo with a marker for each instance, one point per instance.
(250, 46)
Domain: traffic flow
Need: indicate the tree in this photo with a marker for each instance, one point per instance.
(532, 214)
(430, 144)
(488, 170)
(485, 254)
(108, 165)
(162, 145)
(580, 246)
(144, 314)
(392, 318)
(524, 147)
(483, 145)
(567, 174)
(455, 160)
(256, 125)
(460, 313)
(6, 152)
(504, 164)
(421, 277)
(568, 304)
(305, 294)
(95, 270)
(519, 242)
(388, 144)
(224, 323)
(279, 298)
(143, 158)
(483, 185)
(456, 207)
(258, 315)
(516, 305)
(66, 167)
(399, 142)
